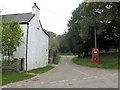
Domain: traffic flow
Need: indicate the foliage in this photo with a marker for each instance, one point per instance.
(51, 34)
(63, 43)
(99, 16)
(107, 61)
(11, 37)
(0, 36)
(74, 40)
(66, 54)
(102, 16)
(56, 59)
(0, 78)
(53, 44)
(5, 62)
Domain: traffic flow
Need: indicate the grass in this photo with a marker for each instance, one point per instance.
(107, 61)
(0, 73)
(56, 59)
(41, 70)
(10, 77)
(0, 78)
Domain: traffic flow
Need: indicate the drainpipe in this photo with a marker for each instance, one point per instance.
(27, 44)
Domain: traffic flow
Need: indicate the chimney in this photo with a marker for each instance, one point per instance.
(35, 10)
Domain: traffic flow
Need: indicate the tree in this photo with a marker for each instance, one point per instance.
(75, 41)
(53, 45)
(0, 37)
(11, 37)
(63, 43)
(51, 34)
(102, 16)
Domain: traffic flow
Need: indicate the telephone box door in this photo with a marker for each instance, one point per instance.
(95, 56)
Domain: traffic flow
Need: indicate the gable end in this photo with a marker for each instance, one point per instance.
(43, 29)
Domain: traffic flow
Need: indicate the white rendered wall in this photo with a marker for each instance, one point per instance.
(21, 50)
(37, 46)
(37, 51)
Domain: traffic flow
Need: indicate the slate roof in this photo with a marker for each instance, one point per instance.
(20, 18)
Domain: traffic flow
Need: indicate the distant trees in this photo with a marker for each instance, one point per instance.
(51, 34)
(0, 37)
(63, 43)
(11, 37)
(53, 45)
(102, 16)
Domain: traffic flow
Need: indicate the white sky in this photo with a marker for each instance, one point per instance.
(54, 14)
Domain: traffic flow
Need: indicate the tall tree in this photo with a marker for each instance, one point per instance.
(102, 16)
(75, 41)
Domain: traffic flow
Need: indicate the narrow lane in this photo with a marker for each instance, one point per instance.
(69, 75)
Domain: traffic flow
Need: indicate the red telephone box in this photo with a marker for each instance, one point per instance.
(95, 56)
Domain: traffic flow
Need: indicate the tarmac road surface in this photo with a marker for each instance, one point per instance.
(69, 75)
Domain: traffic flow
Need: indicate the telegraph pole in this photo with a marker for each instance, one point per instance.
(95, 38)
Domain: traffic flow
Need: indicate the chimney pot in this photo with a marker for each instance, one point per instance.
(34, 4)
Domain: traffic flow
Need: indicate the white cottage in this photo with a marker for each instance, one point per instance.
(34, 49)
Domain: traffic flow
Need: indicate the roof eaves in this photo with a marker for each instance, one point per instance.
(15, 14)
(23, 23)
(43, 29)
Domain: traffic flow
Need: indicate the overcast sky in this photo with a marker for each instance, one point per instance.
(54, 14)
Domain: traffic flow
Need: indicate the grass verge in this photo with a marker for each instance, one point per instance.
(10, 77)
(41, 70)
(56, 59)
(107, 61)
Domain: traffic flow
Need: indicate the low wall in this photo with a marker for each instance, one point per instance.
(14, 65)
